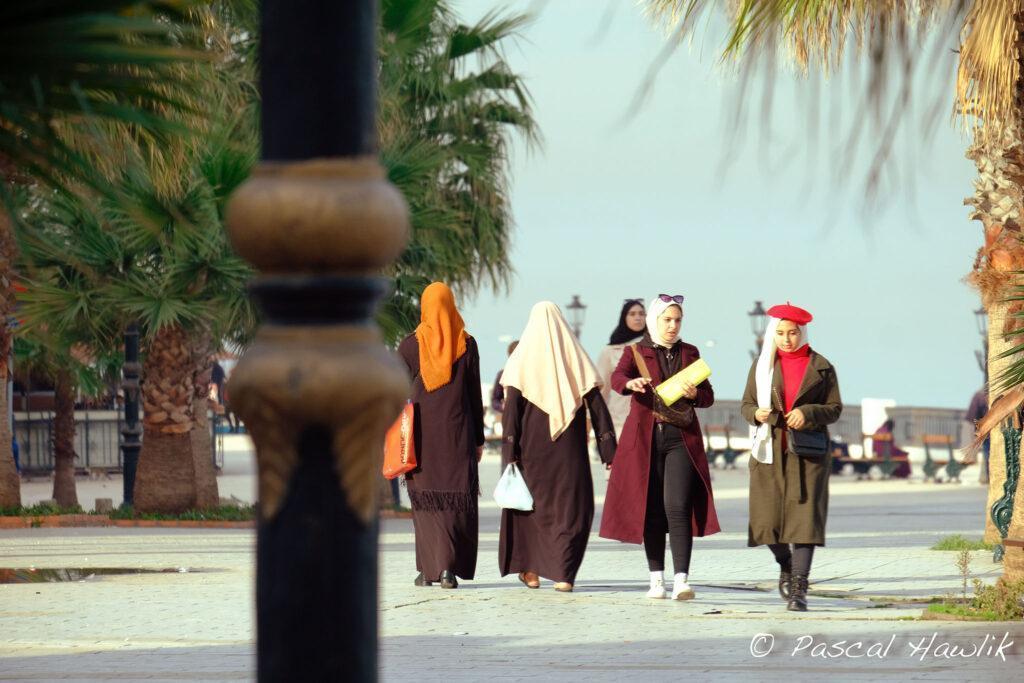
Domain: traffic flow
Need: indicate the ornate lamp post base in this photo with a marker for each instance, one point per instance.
(317, 389)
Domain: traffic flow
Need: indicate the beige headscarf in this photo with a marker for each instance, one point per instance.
(550, 368)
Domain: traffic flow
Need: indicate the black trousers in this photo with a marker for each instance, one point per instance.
(670, 493)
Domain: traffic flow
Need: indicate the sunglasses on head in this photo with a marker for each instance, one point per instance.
(678, 298)
(633, 301)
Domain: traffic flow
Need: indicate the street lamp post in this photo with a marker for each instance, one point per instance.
(577, 313)
(131, 432)
(317, 389)
(758, 318)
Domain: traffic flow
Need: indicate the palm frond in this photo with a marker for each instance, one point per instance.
(62, 62)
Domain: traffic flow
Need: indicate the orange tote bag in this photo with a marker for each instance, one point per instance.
(399, 444)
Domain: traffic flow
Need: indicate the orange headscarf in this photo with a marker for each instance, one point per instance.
(441, 335)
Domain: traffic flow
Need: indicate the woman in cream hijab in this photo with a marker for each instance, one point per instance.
(548, 379)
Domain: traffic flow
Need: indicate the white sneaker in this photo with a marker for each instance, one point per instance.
(657, 591)
(681, 591)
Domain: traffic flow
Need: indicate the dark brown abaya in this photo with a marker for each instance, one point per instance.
(444, 487)
(552, 539)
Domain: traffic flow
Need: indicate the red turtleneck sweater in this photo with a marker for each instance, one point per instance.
(794, 367)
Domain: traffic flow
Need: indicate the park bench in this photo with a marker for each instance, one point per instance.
(932, 465)
(728, 453)
(887, 462)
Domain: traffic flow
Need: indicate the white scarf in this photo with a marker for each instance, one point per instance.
(655, 309)
(764, 375)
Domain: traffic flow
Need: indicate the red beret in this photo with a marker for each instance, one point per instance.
(790, 312)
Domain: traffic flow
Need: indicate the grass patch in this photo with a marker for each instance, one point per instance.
(40, 511)
(958, 542)
(968, 611)
(223, 513)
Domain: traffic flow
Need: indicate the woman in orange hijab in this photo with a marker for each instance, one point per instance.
(444, 366)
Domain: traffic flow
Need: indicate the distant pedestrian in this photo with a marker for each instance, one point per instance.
(498, 391)
(218, 379)
(660, 483)
(630, 329)
(885, 447)
(444, 364)
(975, 411)
(548, 381)
(792, 393)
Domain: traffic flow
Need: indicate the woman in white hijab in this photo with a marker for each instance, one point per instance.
(792, 396)
(661, 483)
(548, 379)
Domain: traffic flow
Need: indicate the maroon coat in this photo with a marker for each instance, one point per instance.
(625, 504)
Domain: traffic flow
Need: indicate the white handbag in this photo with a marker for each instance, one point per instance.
(511, 491)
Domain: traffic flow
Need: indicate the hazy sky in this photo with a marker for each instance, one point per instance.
(614, 206)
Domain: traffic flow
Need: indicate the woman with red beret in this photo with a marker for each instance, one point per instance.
(792, 396)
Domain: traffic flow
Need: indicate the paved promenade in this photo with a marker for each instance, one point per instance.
(867, 586)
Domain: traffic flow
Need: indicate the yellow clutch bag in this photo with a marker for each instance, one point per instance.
(672, 389)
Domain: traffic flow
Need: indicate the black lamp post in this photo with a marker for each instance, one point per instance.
(131, 432)
(577, 313)
(758, 318)
(981, 319)
(317, 389)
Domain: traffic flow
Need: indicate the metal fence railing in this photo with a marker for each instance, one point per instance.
(97, 440)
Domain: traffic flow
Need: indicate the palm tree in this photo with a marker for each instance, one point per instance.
(39, 352)
(989, 100)
(449, 106)
(166, 264)
(114, 60)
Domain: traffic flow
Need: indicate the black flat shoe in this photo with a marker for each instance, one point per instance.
(797, 594)
(784, 579)
(420, 581)
(448, 580)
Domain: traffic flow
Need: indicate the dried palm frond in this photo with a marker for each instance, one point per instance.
(988, 71)
(1004, 407)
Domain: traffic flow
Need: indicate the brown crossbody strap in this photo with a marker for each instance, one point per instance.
(640, 364)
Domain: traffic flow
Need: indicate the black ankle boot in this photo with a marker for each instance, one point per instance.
(448, 580)
(797, 594)
(420, 581)
(785, 576)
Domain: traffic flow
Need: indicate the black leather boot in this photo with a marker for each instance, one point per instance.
(420, 581)
(448, 580)
(797, 594)
(785, 576)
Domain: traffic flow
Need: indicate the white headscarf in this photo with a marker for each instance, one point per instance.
(655, 309)
(550, 368)
(761, 435)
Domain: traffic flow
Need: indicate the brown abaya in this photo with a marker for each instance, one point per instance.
(444, 487)
(551, 539)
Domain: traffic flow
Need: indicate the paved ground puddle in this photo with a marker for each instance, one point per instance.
(68, 574)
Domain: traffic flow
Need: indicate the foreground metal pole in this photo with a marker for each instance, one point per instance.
(317, 389)
(131, 432)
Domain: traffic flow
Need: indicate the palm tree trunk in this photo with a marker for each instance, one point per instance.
(1013, 559)
(64, 491)
(999, 204)
(997, 319)
(207, 495)
(10, 482)
(165, 480)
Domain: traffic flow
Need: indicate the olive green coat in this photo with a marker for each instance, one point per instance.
(789, 497)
